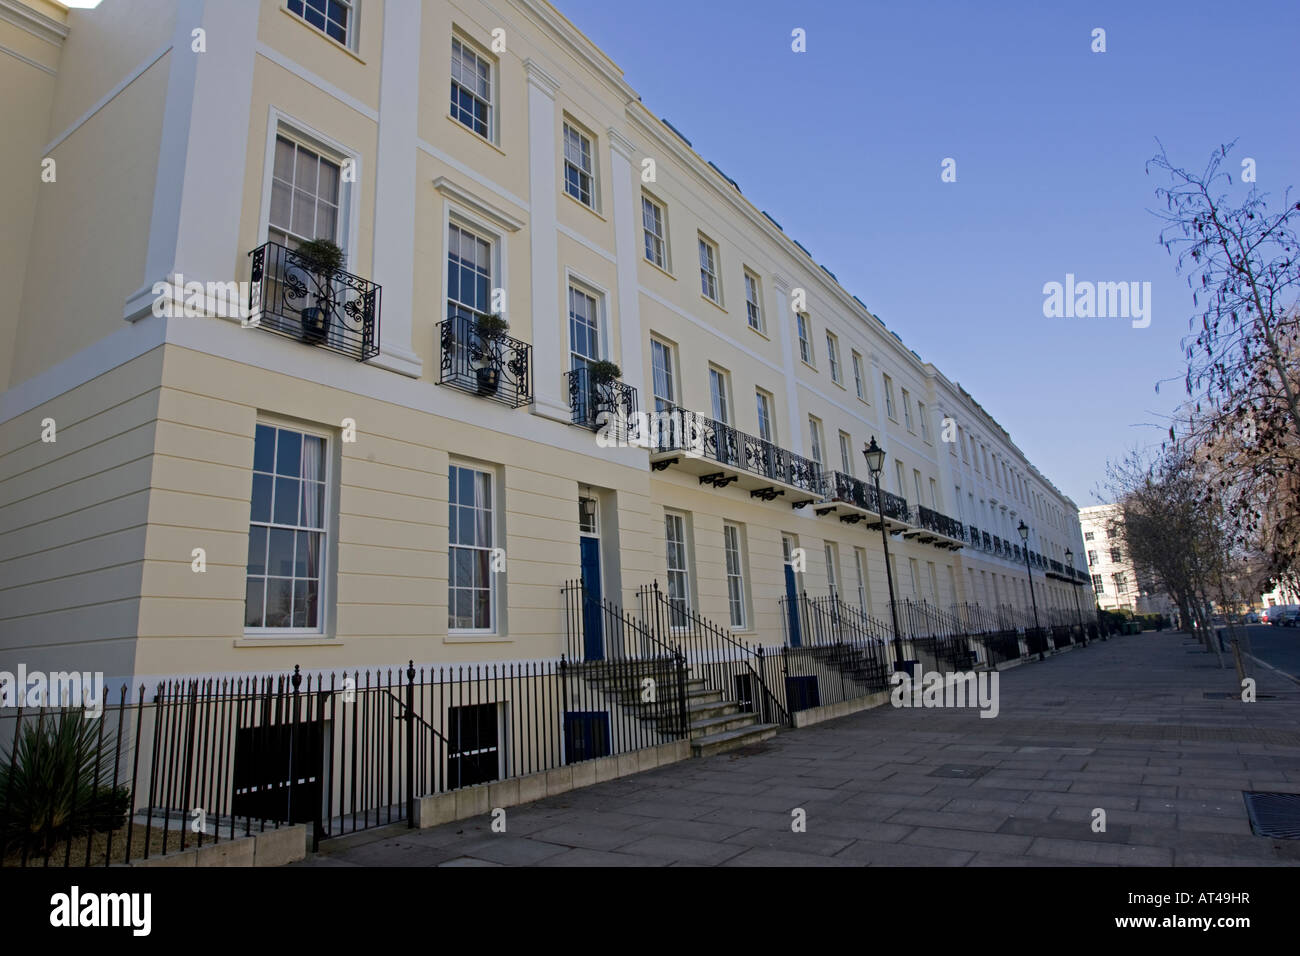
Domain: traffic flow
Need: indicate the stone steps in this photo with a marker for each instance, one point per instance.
(712, 744)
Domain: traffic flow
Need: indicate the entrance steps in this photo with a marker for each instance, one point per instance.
(716, 725)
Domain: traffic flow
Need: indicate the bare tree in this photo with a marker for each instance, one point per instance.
(1172, 537)
(1243, 414)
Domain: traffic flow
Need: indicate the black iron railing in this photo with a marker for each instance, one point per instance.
(837, 486)
(673, 428)
(837, 648)
(338, 752)
(938, 638)
(491, 365)
(334, 310)
(940, 523)
(736, 669)
(601, 404)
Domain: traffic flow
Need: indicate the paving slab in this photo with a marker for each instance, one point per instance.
(1122, 725)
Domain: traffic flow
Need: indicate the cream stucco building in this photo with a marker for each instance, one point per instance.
(1115, 581)
(330, 480)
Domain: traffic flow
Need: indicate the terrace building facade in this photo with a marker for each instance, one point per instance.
(220, 455)
(1115, 580)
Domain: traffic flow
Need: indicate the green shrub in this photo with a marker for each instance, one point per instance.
(321, 256)
(49, 788)
(491, 326)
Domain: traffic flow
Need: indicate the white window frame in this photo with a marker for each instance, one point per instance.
(920, 414)
(890, 411)
(832, 573)
(282, 124)
(349, 41)
(754, 302)
(733, 548)
(765, 401)
(670, 373)
(493, 80)
(802, 326)
(493, 578)
(859, 376)
(328, 532)
(907, 411)
(710, 286)
(660, 239)
(720, 395)
(864, 593)
(846, 452)
(587, 139)
(833, 356)
(582, 284)
(679, 519)
(815, 451)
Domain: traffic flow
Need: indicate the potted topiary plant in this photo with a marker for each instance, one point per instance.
(321, 258)
(489, 328)
(603, 372)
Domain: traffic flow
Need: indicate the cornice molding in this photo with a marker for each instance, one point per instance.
(621, 144)
(478, 205)
(33, 22)
(538, 77)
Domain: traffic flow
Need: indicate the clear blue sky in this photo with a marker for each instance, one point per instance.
(843, 145)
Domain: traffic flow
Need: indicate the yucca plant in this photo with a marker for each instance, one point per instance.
(57, 783)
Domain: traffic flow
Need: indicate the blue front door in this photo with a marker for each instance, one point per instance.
(792, 606)
(593, 630)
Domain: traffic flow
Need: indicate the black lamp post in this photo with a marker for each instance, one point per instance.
(1024, 539)
(1078, 611)
(875, 456)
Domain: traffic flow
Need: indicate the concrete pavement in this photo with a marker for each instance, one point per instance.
(1126, 727)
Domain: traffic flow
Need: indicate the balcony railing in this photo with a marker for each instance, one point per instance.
(838, 486)
(939, 523)
(598, 404)
(334, 310)
(493, 366)
(988, 540)
(673, 428)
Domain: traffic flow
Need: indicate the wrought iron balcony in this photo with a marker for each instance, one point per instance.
(679, 436)
(488, 364)
(939, 523)
(988, 541)
(836, 486)
(598, 404)
(333, 310)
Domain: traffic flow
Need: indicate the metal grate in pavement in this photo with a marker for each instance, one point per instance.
(1275, 815)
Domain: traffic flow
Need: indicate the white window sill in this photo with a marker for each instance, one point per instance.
(287, 640)
(322, 34)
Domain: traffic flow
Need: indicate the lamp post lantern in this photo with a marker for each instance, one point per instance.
(1024, 539)
(875, 456)
(1078, 611)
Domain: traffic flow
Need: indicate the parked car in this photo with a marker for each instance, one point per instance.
(1284, 615)
(1252, 618)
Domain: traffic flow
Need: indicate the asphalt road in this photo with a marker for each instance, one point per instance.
(1279, 646)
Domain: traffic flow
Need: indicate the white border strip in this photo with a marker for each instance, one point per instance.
(30, 62)
(109, 96)
(282, 61)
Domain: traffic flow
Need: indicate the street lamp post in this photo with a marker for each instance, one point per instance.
(1078, 611)
(875, 456)
(1024, 540)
